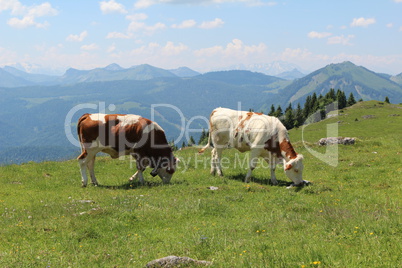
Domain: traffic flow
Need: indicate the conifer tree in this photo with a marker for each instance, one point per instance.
(278, 112)
(272, 111)
(351, 100)
(314, 103)
(191, 142)
(298, 116)
(289, 120)
(307, 107)
(331, 95)
(386, 99)
(341, 98)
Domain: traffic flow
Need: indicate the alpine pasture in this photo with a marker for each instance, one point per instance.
(349, 217)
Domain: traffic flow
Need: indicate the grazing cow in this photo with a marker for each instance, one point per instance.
(117, 135)
(264, 136)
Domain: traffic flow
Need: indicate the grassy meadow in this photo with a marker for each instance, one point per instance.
(349, 217)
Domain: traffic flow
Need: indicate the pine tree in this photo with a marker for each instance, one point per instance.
(341, 98)
(289, 120)
(386, 99)
(314, 103)
(278, 112)
(307, 107)
(298, 116)
(202, 137)
(272, 111)
(351, 100)
(183, 145)
(331, 96)
(191, 142)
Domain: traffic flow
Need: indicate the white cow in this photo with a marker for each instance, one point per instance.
(264, 136)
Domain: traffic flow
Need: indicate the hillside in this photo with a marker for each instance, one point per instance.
(346, 76)
(34, 116)
(141, 72)
(343, 219)
(240, 78)
(41, 111)
(397, 79)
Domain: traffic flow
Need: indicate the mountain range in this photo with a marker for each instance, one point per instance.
(34, 107)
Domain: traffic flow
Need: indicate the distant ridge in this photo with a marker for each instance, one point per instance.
(291, 75)
(397, 79)
(238, 77)
(345, 76)
(114, 72)
(184, 72)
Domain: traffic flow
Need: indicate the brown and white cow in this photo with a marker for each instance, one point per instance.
(117, 135)
(264, 136)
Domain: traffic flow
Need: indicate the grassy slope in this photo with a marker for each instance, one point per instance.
(349, 217)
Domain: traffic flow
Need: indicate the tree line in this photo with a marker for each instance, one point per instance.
(314, 109)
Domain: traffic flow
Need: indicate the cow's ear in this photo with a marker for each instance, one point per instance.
(287, 167)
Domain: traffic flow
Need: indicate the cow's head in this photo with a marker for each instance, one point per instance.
(165, 169)
(294, 169)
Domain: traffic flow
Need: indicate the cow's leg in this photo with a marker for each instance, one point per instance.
(254, 154)
(83, 169)
(91, 167)
(272, 165)
(138, 175)
(217, 161)
(213, 162)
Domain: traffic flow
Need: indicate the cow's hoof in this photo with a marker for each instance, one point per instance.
(304, 183)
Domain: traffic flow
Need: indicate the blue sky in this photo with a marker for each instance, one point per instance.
(203, 35)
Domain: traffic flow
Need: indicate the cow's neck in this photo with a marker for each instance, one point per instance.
(287, 150)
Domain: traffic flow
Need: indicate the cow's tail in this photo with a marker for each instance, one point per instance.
(83, 151)
(202, 150)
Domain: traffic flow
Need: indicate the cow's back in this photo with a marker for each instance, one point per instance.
(242, 129)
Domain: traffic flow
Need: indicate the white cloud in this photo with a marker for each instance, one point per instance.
(112, 48)
(29, 14)
(211, 24)
(398, 1)
(290, 54)
(185, 24)
(234, 49)
(112, 7)
(147, 3)
(137, 16)
(90, 47)
(117, 35)
(136, 26)
(144, 3)
(390, 25)
(77, 38)
(400, 28)
(155, 52)
(14, 5)
(170, 49)
(362, 22)
(343, 40)
(318, 35)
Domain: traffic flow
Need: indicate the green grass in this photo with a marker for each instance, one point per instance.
(349, 217)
